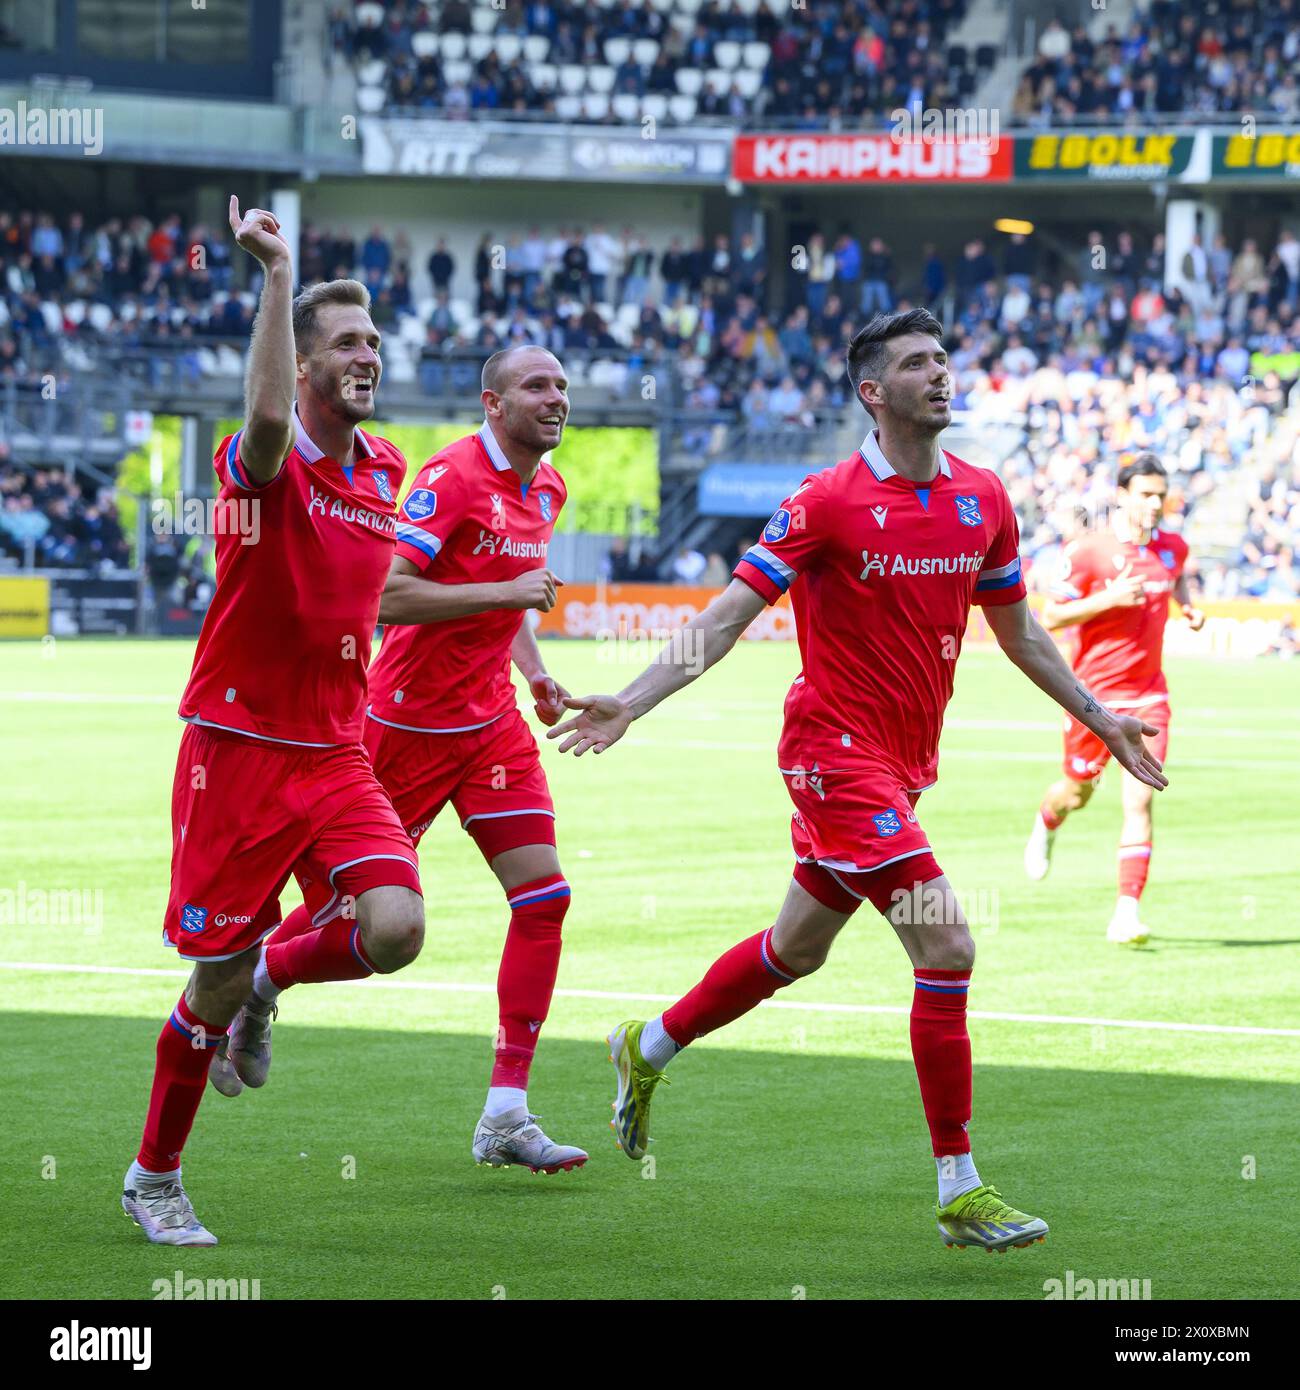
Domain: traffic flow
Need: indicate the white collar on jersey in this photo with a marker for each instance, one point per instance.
(306, 446)
(880, 465)
(499, 460)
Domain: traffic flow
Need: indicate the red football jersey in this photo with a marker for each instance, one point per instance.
(468, 520)
(285, 645)
(889, 570)
(1119, 651)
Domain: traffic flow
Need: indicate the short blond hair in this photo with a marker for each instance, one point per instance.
(307, 304)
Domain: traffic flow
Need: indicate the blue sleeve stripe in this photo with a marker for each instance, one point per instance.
(1009, 582)
(232, 461)
(421, 540)
(766, 569)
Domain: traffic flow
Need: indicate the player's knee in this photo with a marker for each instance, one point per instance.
(392, 932)
(950, 948)
(805, 957)
(1079, 794)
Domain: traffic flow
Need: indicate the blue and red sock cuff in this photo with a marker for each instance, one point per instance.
(942, 982)
(548, 889)
(193, 1029)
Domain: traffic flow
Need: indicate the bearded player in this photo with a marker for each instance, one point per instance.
(1114, 591)
(272, 777)
(443, 721)
(882, 554)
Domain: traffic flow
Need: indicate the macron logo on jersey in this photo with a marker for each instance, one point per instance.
(918, 565)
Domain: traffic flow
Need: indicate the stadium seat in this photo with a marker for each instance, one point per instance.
(749, 7)
(663, 6)
(480, 45)
(460, 71)
(453, 46)
(508, 47)
(537, 48)
(573, 78)
(372, 74)
(595, 105)
(726, 55)
(627, 107)
(370, 16)
(544, 76)
(747, 82)
(689, 81)
(230, 362)
(757, 55)
(719, 79)
(410, 329)
(569, 108)
(371, 100)
(985, 56)
(645, 51)
(74, 311)
(424, 45)
(966, 83)
(483, 18)
(958, 55)
(616, 51)
(690, 7)
(683, 108)
(683, 23)
(600, 78)
(655, 105)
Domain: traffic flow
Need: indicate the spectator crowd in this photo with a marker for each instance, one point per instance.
(1087, 357)
(826, 60)
(1176, 56)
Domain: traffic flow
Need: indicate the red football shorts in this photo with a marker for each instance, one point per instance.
(1086, 755)
(853, 819)
(246, 814)
(492, 776)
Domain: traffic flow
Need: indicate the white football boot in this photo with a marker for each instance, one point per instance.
(515, 1137)
(157, 1203)
(1125, 929)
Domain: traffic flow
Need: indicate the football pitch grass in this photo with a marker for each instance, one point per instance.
(790, 1156)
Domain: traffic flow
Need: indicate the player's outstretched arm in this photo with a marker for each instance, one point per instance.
(1183, 597)
(687, 654)
(272, 366)
(1023, 639)
(409, 597)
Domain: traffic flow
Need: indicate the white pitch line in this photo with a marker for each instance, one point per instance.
(624, 997)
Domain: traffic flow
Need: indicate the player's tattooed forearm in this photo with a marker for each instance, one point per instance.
(1090, 706)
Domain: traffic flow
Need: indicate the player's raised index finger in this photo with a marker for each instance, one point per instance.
(235, 218)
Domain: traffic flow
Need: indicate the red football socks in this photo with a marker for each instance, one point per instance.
(334, 952)
(941, 1051)
(1049, 817)
(184, 1050)
(735, 983)
(526, 979)
(1134, 864)
(295, 924)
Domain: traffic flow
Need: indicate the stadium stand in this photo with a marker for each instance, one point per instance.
(1091, 363)
(673, 60)
(1184, 57)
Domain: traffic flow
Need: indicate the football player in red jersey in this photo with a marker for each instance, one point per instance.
(443, 724)
(882, 554)
(272, 777)
(1114, 592)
